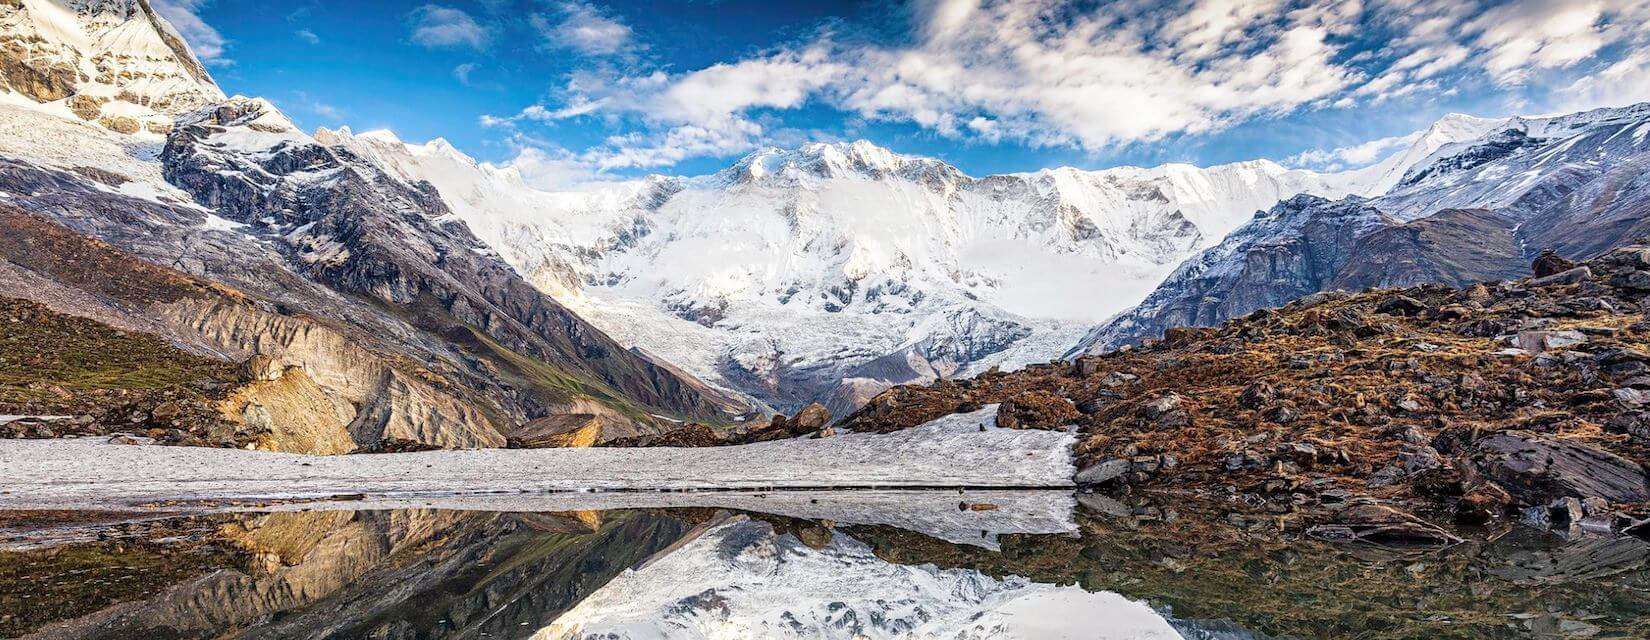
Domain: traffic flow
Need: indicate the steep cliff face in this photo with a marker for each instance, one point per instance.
(343, 223)
(1474, 210)
(428, 342)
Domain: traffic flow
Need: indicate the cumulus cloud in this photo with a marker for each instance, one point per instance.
(1625, 82)
(583, 28)
(209, 45)
(1354, 156)
(438, 26)
(307, 36)
(1095, 76)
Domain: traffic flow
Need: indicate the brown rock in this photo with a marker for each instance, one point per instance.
(1037, 410)
(1549, 263)
(811, 418)
(120, 124)
(88, 108)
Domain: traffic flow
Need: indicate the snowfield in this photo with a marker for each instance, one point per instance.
(958, 450)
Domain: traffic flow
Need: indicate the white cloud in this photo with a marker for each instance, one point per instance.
(585, 29)
(208, 45)
(437, 26)
(1352, 157)
(1094, 76)
(553, 169)
(307, 36)
(1625, 82)
(462, 72)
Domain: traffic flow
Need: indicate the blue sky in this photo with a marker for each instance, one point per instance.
(573, 90)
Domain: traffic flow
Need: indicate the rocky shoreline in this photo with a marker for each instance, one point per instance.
(1400, 416)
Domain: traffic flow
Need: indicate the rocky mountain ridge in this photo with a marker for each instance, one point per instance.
(407, 332)
(1471, 211)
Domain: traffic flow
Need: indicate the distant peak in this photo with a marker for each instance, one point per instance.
(831, 160)
(377, 135)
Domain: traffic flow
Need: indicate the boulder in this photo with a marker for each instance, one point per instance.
(1400, 306)
(1103, 471)
(1543, 341)
(1549, 263)
(811, 418)
(1537, 470)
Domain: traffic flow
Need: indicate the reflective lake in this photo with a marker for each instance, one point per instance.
(785, 565)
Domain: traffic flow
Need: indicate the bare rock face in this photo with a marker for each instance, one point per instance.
(294, 414)
(1538, 470)
(39, 80)
(343, 223)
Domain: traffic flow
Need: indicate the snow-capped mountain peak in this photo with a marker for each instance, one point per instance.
(827, 160)
(113, 62)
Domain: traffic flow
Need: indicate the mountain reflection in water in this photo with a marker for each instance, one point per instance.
(868, 565)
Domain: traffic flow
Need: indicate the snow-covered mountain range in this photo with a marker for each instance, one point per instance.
(827, 272)
(832, 271)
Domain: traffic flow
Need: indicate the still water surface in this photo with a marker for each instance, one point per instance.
(809, 565)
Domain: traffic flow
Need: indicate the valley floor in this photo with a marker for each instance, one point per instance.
(963, 450)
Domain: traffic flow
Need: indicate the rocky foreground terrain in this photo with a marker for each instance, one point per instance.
(1388, 415)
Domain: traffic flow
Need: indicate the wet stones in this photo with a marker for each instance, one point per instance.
(1380, 524)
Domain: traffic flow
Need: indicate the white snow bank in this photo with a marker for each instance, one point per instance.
(739, 579)
(952, 451)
